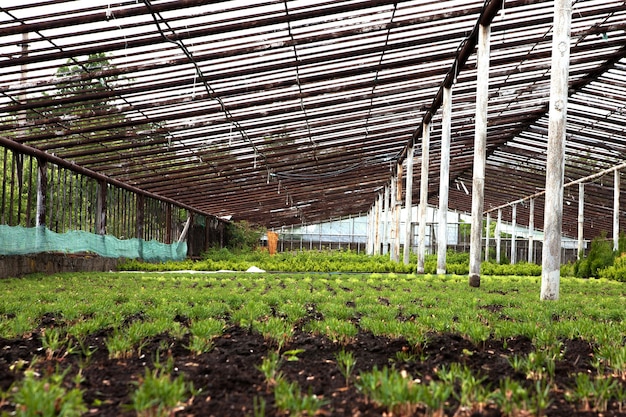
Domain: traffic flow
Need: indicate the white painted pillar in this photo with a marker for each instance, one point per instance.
(423, 197)
(581, 220)
(369, 246)
(386, 213)
(555, 160)
(397, 209)
(444, 180)
(408, 204)
(498, 237)
(531, 231)
(487, 226)
(513, 234)
(480, 154)
(377, 225)
(393, 231)
(616, 190)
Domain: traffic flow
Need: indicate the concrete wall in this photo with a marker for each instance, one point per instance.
(51, 263)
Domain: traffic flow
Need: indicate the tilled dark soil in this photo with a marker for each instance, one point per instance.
(228, 379)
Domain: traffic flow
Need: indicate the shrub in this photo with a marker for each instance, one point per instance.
(600, 256)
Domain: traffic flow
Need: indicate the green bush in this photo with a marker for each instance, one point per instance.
(600, 256)
(617, 271)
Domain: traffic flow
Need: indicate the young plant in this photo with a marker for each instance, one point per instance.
(392, 389)
(119, 345)
(511, 397)
(52, 342)
(275, 330)
(47, 397)
(203, 332)
(158, 395)
(269, 367)
(345, 362)
(288, 398)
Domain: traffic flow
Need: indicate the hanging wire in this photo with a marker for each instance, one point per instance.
(157, 18)
(302, 106)
(380, 62)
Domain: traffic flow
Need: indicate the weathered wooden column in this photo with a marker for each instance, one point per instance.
(498, 237)
(421, 250)
(42, 190)
(386, 214)
(397, 211)
(369, 244)
(377, 216)
(168, 223)
(101, 208)
(139, 225)
(531, 230)
(513, 234)
(393, 229)
(581, 220)
(480, 154)
(444, 180)
(555, 160)
(616, 190)
(408, 204)
(487, 226)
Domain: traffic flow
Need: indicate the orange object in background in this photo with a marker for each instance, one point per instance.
(272, 242)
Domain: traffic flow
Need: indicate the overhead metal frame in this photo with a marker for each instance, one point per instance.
(282, 112)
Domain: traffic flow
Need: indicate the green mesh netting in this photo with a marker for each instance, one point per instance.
(17, 240)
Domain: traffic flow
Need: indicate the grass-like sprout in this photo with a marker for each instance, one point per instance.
(511, 397)
(338, 331)
(47, 397)
(203, 332)
(270, 368)
(158, 395)
(119, 345)
(346, 363)
(288, 398)
(275, 330)
(52, 342)
(392, 389)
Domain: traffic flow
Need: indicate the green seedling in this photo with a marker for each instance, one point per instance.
(392, 389)
(47, 397)
(158, 395)
(345, 362)
(288, 398)
(270, 368)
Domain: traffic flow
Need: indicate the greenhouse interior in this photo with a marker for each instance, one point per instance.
(145, 128)
(331, 208)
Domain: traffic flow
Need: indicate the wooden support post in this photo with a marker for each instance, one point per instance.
(393, 232)
(377, 216)
(498, 236)
(421, 251)
(531, 231)
(183, 234)
(139, 225)
(514, 234)
(168, 223)
(101, 208)
(555, 160)
(444, 180)
(397, 210)
(480, 154)
(581, 220)
(42, 189)
(386, 215)
(408, 204)
(616, 190)
(487, 226)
